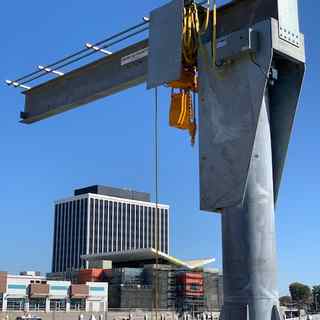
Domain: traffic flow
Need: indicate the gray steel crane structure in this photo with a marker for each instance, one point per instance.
(247, 105)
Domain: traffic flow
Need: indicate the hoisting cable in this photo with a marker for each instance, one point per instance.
(157, 236)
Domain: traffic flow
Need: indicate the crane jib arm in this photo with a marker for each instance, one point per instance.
(107, 76)
(131, 66)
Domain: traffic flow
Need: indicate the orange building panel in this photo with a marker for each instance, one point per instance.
(3, 282)
(91, 275)
(39, 290)
(79, 291)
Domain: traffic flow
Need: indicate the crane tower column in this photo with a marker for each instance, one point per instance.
(249, 242)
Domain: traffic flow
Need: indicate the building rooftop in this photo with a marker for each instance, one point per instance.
(114, 192)
(141, 257)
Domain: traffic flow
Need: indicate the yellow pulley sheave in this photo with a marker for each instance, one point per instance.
(182, 110)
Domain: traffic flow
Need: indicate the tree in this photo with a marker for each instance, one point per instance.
(300, 293)
(316, 296)
(285, 301)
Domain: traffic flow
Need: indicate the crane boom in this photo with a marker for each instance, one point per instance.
(107, 76)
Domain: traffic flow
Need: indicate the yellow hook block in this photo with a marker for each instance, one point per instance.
(182, 113)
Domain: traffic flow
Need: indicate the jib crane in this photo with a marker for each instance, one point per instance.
(246, 62)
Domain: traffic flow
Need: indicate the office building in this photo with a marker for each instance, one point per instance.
(101, 219)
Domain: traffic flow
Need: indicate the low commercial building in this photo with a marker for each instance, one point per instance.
(31, 292)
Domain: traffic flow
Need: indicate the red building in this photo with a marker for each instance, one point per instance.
(190, 291)
(190, 284)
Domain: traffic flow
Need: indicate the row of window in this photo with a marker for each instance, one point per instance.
(108, 226)
(119, 227)
(70, 235)
(39, 304)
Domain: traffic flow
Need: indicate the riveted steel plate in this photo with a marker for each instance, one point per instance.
(289, 21)
(165, 44)
(230, 100)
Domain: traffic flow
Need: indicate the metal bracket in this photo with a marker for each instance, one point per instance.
(233, 45)
(289, 21)
(165, 44)
(230, 100)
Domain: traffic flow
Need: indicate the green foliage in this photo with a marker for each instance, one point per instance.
(300, 293)
(285, 301)
(316, 290)
(316, 296)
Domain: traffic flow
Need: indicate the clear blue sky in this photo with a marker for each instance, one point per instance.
(111, 142)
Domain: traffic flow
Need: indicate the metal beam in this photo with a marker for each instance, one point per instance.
(107, 76)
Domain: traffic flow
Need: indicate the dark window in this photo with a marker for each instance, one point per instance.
(137, 227)
(85, 229)
(194, 287)
(37, 304)
(68, 246)
(63, 237)
(58, 241)
(106, 226)
(162, 245)
(128, 226)
(115, 222)
(166, 232)
(15, 304)
(77, 304)
(141, 226)
(101, 226)
(91, 224)
(59, 233)
(132, 225)
(66, 233)
(145, 215)
(96, 225)
(149, 228)
(123, 239)
(110, 225)
(54, 252)
(80, 232)
(73, 235)
(154, 228)
(119, 225)
(58, 305)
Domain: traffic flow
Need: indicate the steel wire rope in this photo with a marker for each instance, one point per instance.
(71, 56)
(87, 55)
(157, 236)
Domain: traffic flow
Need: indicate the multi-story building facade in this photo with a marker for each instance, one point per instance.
(101, 220)
(30, 292)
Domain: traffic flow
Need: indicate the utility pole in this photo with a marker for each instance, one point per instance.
(250, 68)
